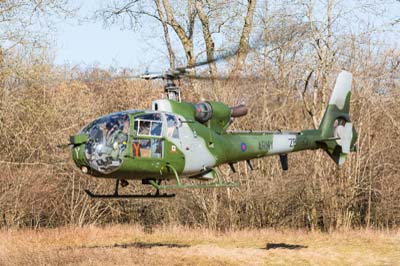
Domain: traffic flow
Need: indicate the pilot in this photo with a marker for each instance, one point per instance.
(122, 136)
(119, 139)
(111, 131)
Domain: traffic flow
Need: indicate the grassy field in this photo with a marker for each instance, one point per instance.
(130, 245)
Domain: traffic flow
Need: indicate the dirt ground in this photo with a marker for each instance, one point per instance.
(130, 245)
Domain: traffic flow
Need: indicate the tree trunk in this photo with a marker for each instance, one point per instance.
(167, 38)
(186, 39)
(207, 37)
(244, 38)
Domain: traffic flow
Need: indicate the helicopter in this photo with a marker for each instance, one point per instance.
(178, 140)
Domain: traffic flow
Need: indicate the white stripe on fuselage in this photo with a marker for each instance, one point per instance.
(197, 155)
(282, 143)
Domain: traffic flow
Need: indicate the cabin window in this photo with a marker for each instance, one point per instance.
(172, 126)
(147, 148)
(149, 125)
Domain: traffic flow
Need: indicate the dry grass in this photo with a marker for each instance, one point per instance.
(130, 245)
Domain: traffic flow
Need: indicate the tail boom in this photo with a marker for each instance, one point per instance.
(336, 134)
(249, 145)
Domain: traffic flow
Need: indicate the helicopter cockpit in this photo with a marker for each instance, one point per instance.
(107, 140)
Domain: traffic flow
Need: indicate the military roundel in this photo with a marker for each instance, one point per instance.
(243, 146)
(173, 148)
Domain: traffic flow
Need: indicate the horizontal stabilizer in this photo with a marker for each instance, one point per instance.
(345, 134)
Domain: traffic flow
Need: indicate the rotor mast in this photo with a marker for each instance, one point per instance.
(171, 91)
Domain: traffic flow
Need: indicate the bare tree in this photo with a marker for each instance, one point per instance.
(21, 20)
(210, 46)
(185, 36)
(24, 28)
(133, 13)
(167, 37)
(182, 20)
(245, 37)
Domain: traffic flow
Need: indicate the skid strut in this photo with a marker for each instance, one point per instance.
(179, 185)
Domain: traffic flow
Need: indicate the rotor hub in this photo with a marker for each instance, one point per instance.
(171, 91)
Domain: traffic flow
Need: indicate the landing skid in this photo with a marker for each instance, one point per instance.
(157, 185)
(116, 195)
(139, 196)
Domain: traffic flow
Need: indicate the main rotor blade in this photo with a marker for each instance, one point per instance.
(146, 76)
(223, 78)
(90, 79)
(222, 56)
(200, 77)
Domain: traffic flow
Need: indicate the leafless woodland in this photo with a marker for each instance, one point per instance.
(286, 83)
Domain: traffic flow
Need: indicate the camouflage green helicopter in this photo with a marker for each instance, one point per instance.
(176, 140)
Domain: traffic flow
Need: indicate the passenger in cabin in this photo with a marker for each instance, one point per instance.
(156, 128)
(156, 148)
(144, 128)
(172, 130)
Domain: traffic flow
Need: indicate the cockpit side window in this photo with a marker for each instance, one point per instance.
(149, 125)
(172, 126)
(144, 127)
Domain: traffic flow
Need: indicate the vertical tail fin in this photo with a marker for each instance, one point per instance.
(336, 129)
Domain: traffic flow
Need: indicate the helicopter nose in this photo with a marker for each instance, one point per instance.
(78, 157)
(78, 141)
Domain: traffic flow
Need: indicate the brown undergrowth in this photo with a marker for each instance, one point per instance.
(41, 187)
(130, 245)
(41, 106)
